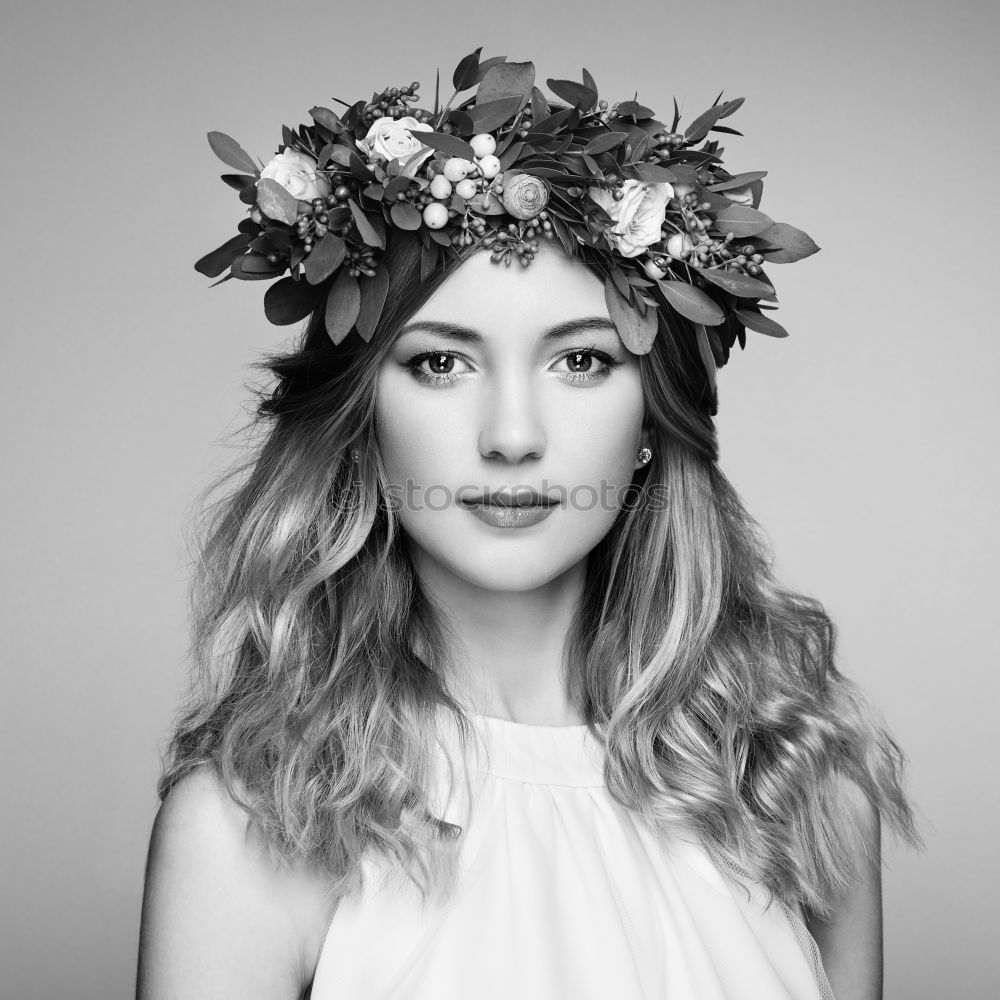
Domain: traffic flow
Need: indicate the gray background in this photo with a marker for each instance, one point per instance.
(865, 442)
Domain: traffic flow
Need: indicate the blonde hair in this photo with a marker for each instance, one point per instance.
(319, 660)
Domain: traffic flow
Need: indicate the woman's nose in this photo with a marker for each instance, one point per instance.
(512, 428)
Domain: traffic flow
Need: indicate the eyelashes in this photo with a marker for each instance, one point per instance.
(609, 364)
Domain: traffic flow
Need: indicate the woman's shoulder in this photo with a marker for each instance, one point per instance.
(212, 888)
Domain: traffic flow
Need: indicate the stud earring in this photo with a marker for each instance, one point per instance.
(645, 454)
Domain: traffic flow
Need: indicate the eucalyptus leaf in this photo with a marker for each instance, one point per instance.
(576, 94)
(326, 118)
(366, 230)
(238, 181)
(325, 257)
(507, 79)
(602, 143)
(405, 215)
(539, 105)
(654, 174)
(373, 292)
(742, 221)
(342, 306)
(486, 65)
(445, 143)
(637, 331)
(789, 244)
(466, 71)
(276, 202)
(232, 153)
(219, 260)
(692, 302)
(486, 203)
(740, 285)
(760, 324)
(588, 81)
(288, 301)
(737, 181)
(490, 115)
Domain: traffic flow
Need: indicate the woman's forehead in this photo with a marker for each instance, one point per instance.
(553, 291)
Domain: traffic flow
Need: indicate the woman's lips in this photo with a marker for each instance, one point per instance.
(504, 516)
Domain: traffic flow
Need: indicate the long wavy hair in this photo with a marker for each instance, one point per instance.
(319, 661)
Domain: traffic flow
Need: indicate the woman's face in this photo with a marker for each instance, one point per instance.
(503, 400)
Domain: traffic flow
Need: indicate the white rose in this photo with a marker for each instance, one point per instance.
(742, 196)
(388, 139)
(638, 215)
(297, 173)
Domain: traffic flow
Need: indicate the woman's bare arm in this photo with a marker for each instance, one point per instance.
(219, 919)
(850, 941)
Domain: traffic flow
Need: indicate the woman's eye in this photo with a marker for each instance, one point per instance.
(583, 359)
(440, 364)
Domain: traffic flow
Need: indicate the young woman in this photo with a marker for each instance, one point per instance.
(499, 695)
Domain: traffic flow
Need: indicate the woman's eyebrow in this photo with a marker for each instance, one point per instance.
(468, 336)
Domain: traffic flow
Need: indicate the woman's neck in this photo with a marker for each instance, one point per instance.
(508, 660)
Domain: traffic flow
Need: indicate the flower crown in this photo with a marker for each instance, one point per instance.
(663, 221)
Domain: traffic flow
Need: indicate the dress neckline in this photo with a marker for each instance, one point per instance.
(540, 755)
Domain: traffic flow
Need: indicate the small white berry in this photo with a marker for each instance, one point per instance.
(466, 189)
(483, 144)
(456, 169)
(490, 166)
(435, 215)
(441, 187)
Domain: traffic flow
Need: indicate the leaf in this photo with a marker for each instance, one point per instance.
(444, 143)
(342, 306)
(466, 71)
(761, 324)
(232, 153)
(486, 65)
(742, 221)
(737, 181)
(405, 215)
(621, 283)
(220, 259)
(637, 331)
(705, 350)
(325, 257)
(698, 129)
(511, 153)
(288, 301)
(373, 292)
(507, 79)
(238, 181)
(276, 202)
(634, 110)
(326, 118)
(791, 244)
(602, 143)
(588, 81)
(654, 174)
(539, 105)
(575, 94)
(486, 203)
(740, 285)
(365, 228)
(730, 106)
(692, 302)
(490, 115)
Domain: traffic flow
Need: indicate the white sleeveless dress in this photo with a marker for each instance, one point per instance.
(565, 893)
